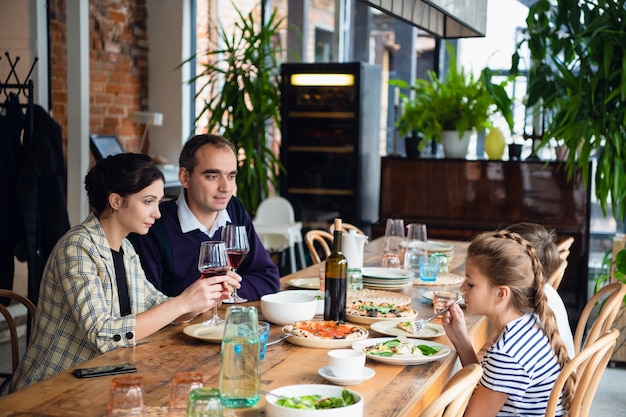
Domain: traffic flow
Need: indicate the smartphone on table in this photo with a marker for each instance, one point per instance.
(122, 368)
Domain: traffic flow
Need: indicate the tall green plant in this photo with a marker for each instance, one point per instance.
(242, 83)
(578, 74)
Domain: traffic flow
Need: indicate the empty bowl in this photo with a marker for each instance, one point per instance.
(274, 410)
(286, 307)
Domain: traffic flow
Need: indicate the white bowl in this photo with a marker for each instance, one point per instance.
(274, 410)
(318, 295)
(286, 307)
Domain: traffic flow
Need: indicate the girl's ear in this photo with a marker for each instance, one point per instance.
(503, 292)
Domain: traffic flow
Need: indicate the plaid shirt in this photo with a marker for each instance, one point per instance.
(78, 314)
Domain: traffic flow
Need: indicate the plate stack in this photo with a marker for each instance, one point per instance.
(386, 278)
(440, 247)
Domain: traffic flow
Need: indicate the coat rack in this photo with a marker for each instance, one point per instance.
(12, 83)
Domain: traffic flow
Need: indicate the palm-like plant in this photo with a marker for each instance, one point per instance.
(578, 75)
(241, 83)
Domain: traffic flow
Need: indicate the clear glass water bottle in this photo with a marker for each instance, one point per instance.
(240, 371)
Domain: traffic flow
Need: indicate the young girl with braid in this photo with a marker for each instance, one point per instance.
(504, 282)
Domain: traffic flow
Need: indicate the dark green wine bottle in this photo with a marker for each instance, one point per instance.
(336, 281)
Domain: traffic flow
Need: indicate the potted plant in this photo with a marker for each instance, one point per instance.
(458, 103)
(241, 82)
(577, 75)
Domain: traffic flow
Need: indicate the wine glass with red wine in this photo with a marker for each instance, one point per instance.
(237, 248)
(213, 261)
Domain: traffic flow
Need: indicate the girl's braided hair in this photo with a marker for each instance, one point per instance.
(505, 258)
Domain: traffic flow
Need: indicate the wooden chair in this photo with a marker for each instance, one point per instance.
(610, 299)
(456, 394)
(564, 246)
(588, 365)
(321, 238)
(12, 327)
(557, 276)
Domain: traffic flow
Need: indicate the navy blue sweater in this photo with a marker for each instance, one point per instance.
(170, 257)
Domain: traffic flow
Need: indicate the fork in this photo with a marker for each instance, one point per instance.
(419, 324)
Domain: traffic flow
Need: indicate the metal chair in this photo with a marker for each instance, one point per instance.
(321, 238)
(456, 394)
(275, 223)
(12, 327)
(588, 365)
(610, 299)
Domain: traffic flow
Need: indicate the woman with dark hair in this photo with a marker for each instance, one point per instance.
(94, 295)
(504, 282)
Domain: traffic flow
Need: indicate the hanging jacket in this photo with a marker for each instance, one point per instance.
(41, 194)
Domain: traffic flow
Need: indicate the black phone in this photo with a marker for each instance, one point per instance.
(121, 368)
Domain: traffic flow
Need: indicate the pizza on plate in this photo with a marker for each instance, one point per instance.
(406, 326)
(379, 310)
(324, 330)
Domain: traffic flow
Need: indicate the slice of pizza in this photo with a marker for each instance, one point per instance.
(406, 326)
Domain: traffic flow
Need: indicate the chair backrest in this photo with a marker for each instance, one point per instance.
(610, 299)
(456, 394)
(557, 276)
(589, 365)
(321, 239)
(564, 247)
(12, 327)
(275, 210)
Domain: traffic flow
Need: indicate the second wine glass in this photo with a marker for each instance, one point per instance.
(237, 247)
(213, 261)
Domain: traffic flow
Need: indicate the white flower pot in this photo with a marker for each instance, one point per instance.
(453, 146)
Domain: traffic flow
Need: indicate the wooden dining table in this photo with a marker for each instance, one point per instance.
(394, 391)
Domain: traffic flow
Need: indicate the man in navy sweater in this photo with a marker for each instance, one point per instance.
(169, 252)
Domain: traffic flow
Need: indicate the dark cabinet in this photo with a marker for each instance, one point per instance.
(330, 132)
(458, 199)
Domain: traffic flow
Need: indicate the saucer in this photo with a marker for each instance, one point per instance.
(327, 374)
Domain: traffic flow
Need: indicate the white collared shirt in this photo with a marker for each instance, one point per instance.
(189, 222)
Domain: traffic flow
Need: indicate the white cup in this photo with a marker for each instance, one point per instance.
(346, 363)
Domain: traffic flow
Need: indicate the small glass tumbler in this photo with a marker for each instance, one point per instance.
(355, 279)
(442, 299)
(428, 268)
(126, 397)
(204, 402)
(182, 384)
(264, 333)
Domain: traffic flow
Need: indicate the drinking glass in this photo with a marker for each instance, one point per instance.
(213, 261)
(443, 298)
(182, 384)
(264, 333)
(204, 402)
(414, 247)
(126, 397)
(237, 248)
(394, 234)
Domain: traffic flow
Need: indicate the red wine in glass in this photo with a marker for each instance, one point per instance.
(213, 261)
(213, 272)
(235, 256)
(237, 246)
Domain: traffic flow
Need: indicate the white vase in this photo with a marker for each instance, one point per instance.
(453, 145)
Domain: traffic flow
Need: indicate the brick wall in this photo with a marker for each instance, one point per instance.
(118, 67)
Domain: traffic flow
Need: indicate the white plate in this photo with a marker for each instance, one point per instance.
(369, 320)
(207, 333)
(314, 293)
(305, 283)
(389, 328)
(327, 374)
(403, 359)
(387, 287)
(324, 343)
(390, 273)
